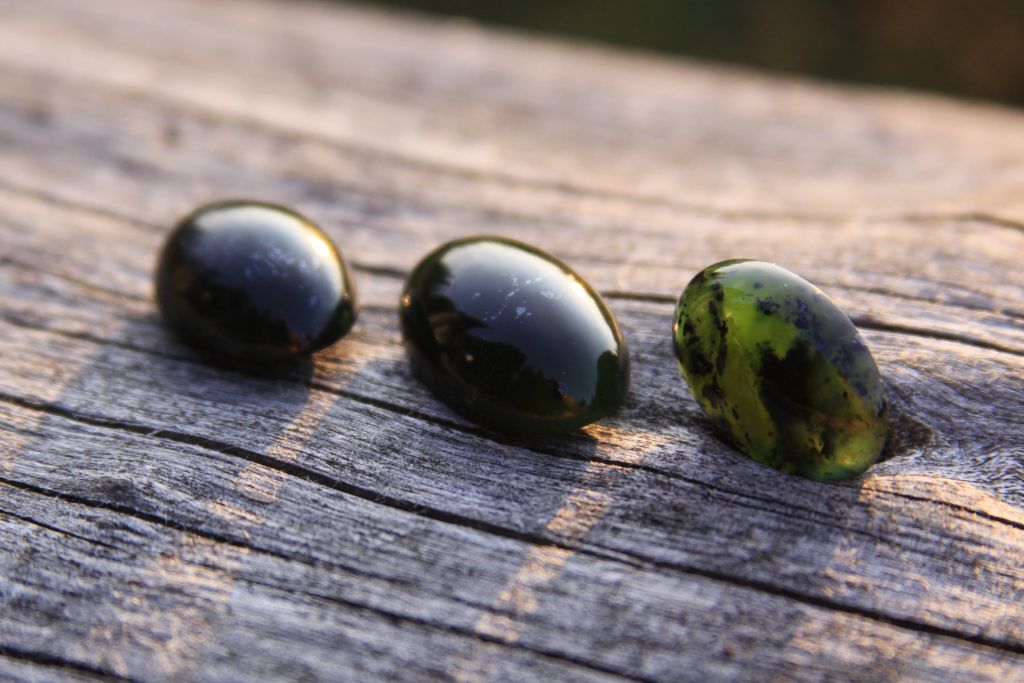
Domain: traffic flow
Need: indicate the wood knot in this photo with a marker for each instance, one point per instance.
(907, 433)
(114, 490)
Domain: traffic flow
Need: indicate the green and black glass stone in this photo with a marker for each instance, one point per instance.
(780, 370)
(512, 338)
(254, 282)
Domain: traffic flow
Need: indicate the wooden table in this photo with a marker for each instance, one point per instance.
(165, 519)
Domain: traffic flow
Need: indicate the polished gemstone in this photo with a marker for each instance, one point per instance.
(254, 282)
(512, 338)
(780, 370)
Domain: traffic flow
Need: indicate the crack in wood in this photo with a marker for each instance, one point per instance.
(52, 661)
(967, 216)
(978, 639)
(655, 297)
(44, 525)
(868, 323)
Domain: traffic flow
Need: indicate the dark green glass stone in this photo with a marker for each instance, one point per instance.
(780, 370)
(254, 282)
(512, 338)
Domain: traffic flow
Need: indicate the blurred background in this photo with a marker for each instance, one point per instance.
(970, 48)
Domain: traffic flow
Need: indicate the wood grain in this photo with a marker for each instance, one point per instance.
(165, 519)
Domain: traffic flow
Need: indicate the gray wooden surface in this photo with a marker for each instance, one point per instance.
(163, 519)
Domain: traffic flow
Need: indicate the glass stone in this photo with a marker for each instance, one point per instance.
(780, 370)
(512, 338)
(254, 282)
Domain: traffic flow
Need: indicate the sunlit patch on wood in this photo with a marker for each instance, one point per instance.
(18, 431)
(582, 509)
(177, 633)
(169, 633)
(954, 492)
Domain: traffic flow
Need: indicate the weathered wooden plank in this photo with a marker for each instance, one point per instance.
(363, 191)
(569, 116)
(982, 281)
(642, 548)
(182, 398)
(114, 377)
(57, 316)
(163, 602)
(926, 393)
(399, 556)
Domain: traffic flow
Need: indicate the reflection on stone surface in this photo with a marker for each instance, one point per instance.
(510, 337)
(254, 282)
(780, 370)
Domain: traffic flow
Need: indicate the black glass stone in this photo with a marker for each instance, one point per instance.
(254, 282)
(512, 338)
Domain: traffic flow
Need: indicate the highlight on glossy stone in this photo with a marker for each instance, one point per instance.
(254, 282)
(780, 370)
(512, 338)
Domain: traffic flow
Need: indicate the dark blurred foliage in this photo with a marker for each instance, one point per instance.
(966, 47)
